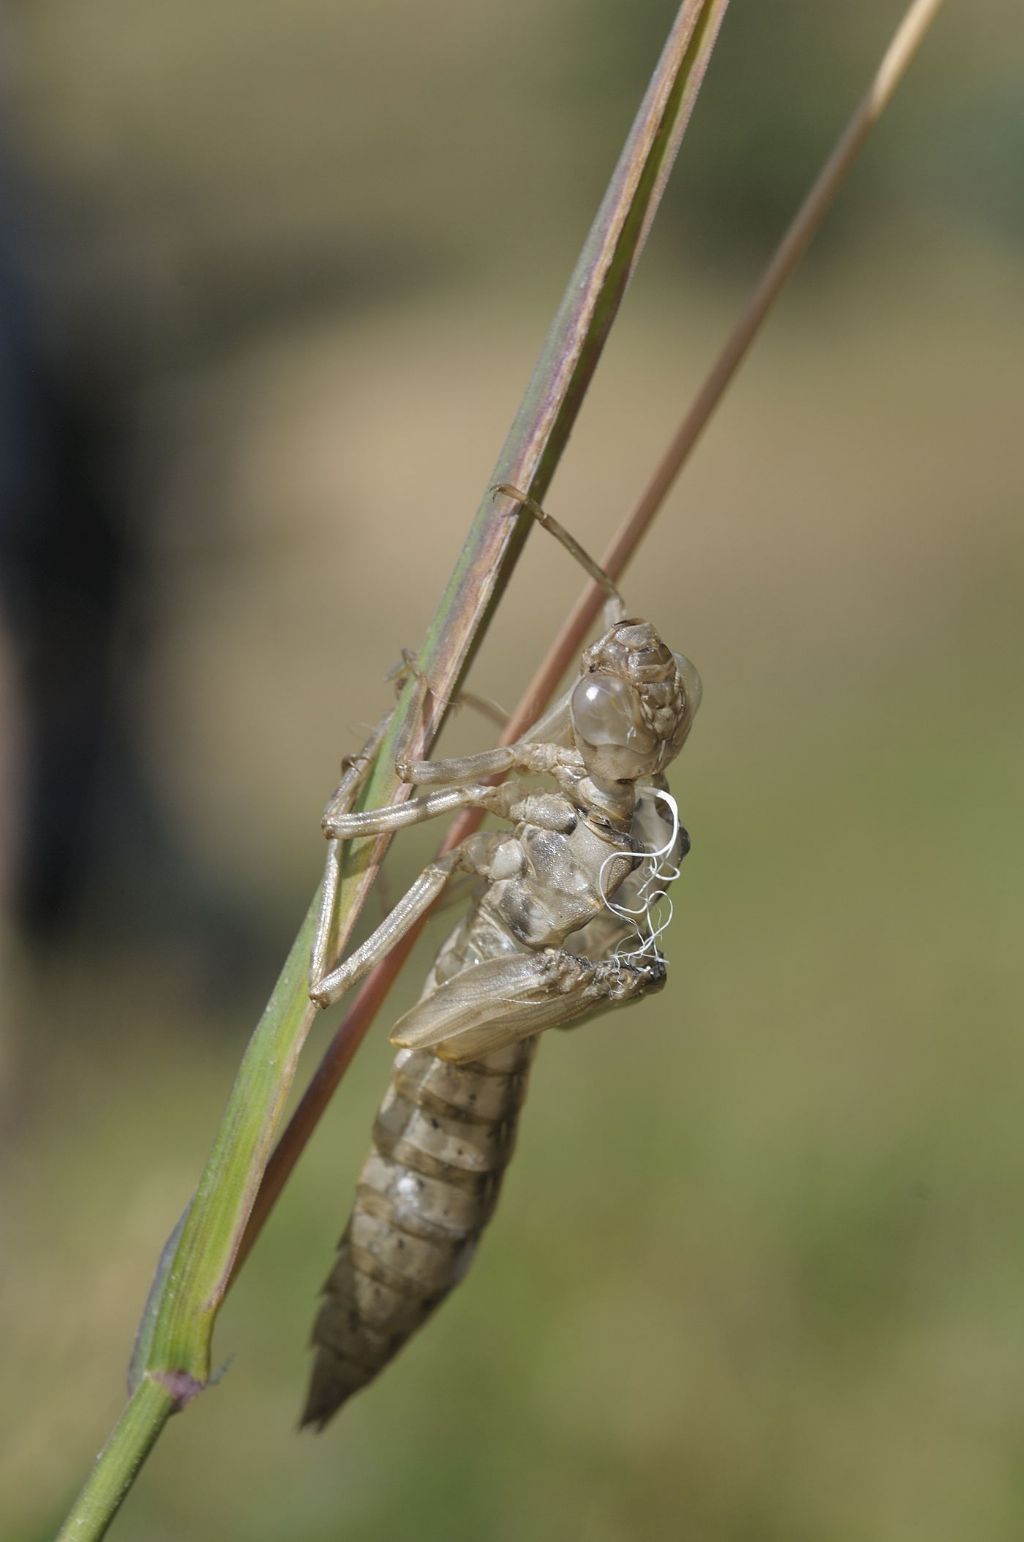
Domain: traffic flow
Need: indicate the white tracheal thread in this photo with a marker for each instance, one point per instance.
(654, 912)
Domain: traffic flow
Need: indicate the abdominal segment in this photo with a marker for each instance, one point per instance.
(441, 1142)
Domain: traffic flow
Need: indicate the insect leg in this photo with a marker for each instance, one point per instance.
(497, 1002)
(409, 667)
(339, 825)
(472, 855)
(355, 769)
(460, 768)
(615, 608)
(377, 821)
(523, 756)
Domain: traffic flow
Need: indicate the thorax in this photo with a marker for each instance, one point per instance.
(552, 882)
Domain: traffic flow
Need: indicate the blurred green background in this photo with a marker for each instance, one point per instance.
(758, 1269)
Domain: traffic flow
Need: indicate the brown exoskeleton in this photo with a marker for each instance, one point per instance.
(562, 930)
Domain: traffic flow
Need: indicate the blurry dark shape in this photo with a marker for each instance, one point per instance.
(785, 75)
(63, 566)
(979, 159)
(81, 468)
(797, 74)
(90, 833)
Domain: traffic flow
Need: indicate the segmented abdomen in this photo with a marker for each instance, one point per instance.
(441, 1143)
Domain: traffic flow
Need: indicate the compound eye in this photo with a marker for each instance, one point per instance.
(605, 713)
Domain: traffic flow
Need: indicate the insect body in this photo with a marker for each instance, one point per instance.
(563, 930)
